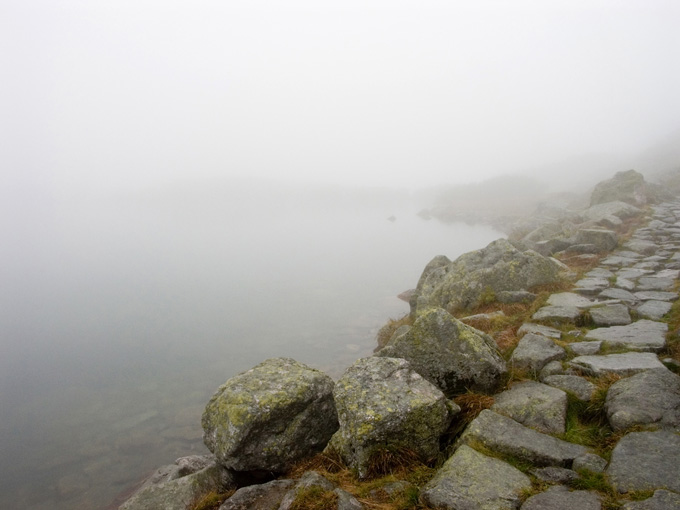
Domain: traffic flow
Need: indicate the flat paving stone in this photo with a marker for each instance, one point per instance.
(585, 348)
(654, 310)
(643, 335)
(646, 461)
(661, 500)
(655, 283)
(580, 387)
(620, 294)
(534, 351)
(569, 299)
(470, 480)
(539, 329)
(561, 498)
(610, 315)
(656, 295)
(599, 272)
(627, 363)
(651, 398)
(556, 314)
(624, 283)
(536, 405)
(633, 273)
(505, 435)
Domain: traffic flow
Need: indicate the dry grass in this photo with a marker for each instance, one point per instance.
(211, 501)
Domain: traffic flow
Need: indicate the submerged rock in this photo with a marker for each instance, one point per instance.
(270, 416)
(384, 405)
(451, 355)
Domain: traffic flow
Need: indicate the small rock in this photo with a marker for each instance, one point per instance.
(554, 474)
(661, 500)
(589, 462)
(580, 387)
(610, 315)
(654, 310)
(560, 498)
(585, 348)
(266, 496)
(533, 352)
(535, 405)
(539, 329)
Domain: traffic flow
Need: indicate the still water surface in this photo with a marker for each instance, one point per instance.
(120, 319)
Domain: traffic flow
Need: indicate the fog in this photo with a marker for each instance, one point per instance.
(188, 188)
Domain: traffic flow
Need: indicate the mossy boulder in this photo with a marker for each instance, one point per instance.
(628, 186)
(386, 409)
(270, 416)
(451, 355)
(476, 277)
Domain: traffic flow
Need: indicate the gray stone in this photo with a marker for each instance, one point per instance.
(266, 496)
(651, 398)
(602, 240)
(599, 272)
(625, 284)
(346, 501)
(643, 335)
(478, 275)
(654, 283)
(643, 247)
(627, 186)
(533, 352)
(171, 489)
(578, 386)
(556, 314)
(632, 274)
(656, 295)
(654, 309)
(383, 403)
(589, 462)
(610, 315)
(646, 461)
(560, 498)
(569, 299)
(270, 417)
(647, 265)
(470, 480)
(506, 436)
(629, 254)
(585, 348)
(619, 209)
(618, 261)
(451, 355)
(534, 405)
(552, 368)
(539, 329)
(312, 479)
(591, 286)
(673, 274)
(582, 248)
(555, 474)
(621, 294)
(628, 363)
(661, 500)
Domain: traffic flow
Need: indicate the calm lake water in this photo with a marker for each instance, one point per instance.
(121, 317)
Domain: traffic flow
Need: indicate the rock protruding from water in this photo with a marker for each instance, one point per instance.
(470, 479)
(651, 398)
(451, 355)
(479, 275)
(181, 484)
(383, 405)
(270, 416)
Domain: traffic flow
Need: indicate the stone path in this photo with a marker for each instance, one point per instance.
(610, 325)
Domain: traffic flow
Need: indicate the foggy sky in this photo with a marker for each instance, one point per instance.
(133, 93)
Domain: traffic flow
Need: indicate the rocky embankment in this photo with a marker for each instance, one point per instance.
(565, 395)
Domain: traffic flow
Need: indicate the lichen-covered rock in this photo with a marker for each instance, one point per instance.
(177, 486)
(535, 405)
(651, 398)
(602, 240)
(471, 480)
(477, 276)
(628, 186)
(385, 405)
(312, 484)
(451, 355)
(270, 416)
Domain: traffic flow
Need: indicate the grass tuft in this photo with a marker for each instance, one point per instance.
(211, 501)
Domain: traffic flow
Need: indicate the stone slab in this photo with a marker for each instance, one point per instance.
(625, 364)
(643, 335)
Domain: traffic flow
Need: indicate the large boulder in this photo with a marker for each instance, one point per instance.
(477, 276)
(176, 486)
(385, 406)
(270, 416)
(451, 355)
(628, 186)
(617, 209)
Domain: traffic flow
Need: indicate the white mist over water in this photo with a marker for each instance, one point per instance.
(128, 313)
